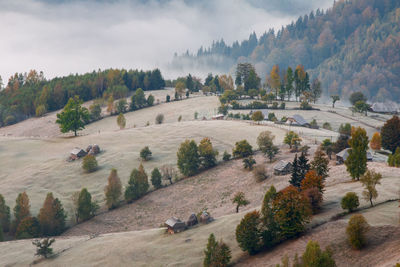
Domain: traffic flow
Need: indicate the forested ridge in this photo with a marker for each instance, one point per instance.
(26, 93)
(353, 46)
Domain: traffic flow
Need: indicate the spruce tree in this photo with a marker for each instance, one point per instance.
(304, 166)
(295, 180)
(270, 234)
(4, 215)
(356, 162)
(209, 252)
(113, 190)
(156, 178)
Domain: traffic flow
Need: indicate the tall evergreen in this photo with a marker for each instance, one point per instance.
(296, 176)
(4, 215)
(52, 216)
(138, 184)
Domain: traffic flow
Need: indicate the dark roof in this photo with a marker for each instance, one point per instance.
(77, 151)
(344, 154)
(173, 221)
(299, 119)
(281, 165)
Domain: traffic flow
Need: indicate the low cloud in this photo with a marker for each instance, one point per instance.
(63, 37)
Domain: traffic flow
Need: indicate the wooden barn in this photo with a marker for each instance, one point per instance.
(77, 153)
(344, 154)
(175, 225)
(283, 167)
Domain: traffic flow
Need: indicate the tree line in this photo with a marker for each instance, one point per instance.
(31, 94)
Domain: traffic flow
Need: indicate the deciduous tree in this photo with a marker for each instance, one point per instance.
(390, 133)
(207, 154)
(52, 216)
(188, 158)
(240, 200)
(369, 180)
(138, 184)
(113, 190)
(356, 230)
(248, 233)
(356, 162)
(350, 201)
(73, 117)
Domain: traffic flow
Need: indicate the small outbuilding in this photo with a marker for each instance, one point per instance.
(283, 167)
(297, 120)
(342, 156)
(265, 114)
(192, 220)
(218, 117)
(175, 225)
(77, 153)
(205, 217)
(386, 107)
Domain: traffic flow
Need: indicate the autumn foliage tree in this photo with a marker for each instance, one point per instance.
(113, 190)
(356, 230)
(29, 227)
(207, 154)
(390, 133)
(242, 149)
(121, 121)
(356, 162)
(376, 141)
(291, 211)
(320, 163)
(52, 216)
(21, 209)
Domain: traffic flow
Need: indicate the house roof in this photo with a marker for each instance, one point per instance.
(76, 151)
(173, 221)
(344, 154)
(281, 165)
(218, 116)
(299, 119)
(388, 106)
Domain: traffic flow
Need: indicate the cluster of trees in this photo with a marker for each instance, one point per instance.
(193, 158)
(353, 46)
(29, 94)
(49, 222)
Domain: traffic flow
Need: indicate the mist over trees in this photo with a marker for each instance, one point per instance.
(353, 46)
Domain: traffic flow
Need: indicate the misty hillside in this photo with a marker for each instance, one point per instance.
(353, 46)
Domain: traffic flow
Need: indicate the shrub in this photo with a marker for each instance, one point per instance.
(160, 118)
(150, 100)
(28, 228)
(86, 208)
(356, 230)
(168, 98)
(196, 115)
(257, 116)
(305, 106)
(95, 111)
(89, 163)
(314, 124)
(179, 118)
(248, 163)
(240, 200)
(113, 190)
(226, 156)
(283, 105)
(156, 178)
(121, 121)
(52, 216)
(350, 201)
(275, 105)
(188, 158)
(315, 257)
(145, 153)
(216, 253)
(138, 185)
(43, 247)
(260, 173)
(242, 149)
(40, 110)
(272, 117)
(327, 126)
(248, 233)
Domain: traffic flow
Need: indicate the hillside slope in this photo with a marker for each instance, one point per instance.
(353, 46)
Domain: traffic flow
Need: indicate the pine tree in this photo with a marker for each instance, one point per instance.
(22, 207)
(52, 216)
(209, 252)
(113, 190)
(304, 166)
(138, 184)
(4, 215)
(356, 162)
(296, 178)
(156, 178)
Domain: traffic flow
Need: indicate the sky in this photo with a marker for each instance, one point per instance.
(60, 37)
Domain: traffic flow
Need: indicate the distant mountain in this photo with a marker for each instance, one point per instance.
(353, 46)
